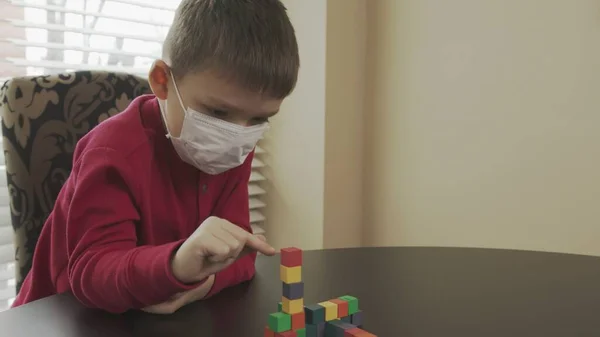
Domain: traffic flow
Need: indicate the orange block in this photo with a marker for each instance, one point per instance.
(298, 320)
(342, 307)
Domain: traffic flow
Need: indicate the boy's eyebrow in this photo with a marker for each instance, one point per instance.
(214, 102)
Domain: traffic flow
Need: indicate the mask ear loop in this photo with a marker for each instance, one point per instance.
(163, 110)
(177, 91)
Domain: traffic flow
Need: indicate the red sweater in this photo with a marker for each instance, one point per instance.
(129, 202)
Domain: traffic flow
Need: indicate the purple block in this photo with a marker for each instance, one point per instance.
(293, 291)
(357, 318)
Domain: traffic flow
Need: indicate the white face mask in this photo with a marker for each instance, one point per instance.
(211, 144)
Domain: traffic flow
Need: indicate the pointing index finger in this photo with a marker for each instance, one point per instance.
(251, 241)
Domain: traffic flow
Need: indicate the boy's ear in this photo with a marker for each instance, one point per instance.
(158, 78)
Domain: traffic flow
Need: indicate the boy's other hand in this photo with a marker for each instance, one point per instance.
(181, 299)
(216, 244)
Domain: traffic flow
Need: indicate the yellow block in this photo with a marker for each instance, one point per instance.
(331, 310)
(290, 274)
(292, 306)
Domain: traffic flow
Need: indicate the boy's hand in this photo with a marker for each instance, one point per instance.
(216, 244)
(182, 299)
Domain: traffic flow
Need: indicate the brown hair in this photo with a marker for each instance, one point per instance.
(252, 41)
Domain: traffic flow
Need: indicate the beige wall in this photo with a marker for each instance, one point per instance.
(470, 123)
(484, 124)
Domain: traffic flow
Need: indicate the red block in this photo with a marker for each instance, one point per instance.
(342, 307)
(291, 257)
(269, 332)
(298, 320)
(289, 333)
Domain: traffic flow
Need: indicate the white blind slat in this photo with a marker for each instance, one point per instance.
(255, 190)
(6, 235)
(257, 229)
(256, 176)
(62, 28)
(257, 163)
(3, 182)
(62, 65)
(7, 271)
(47, 45)
(150, 4)
(7, 254)
(256, 203)
(7, 290)
(256, 216)
(59, 9)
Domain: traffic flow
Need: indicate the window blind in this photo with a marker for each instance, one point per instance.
(39, 37)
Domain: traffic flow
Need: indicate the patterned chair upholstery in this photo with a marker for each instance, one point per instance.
(43, 117)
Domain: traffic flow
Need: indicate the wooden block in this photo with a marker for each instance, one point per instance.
(357, 318)
(352, 303)
(347, 319)
(292, 306)
(298, 320)
(337, 328)
(330, 310)
(301, 332)
(293, 291)
(280, 321)
(269, 332)
(279, 307)
(315, 330)
(290, 274)
(291, 257)
(314, 314)
(342, 307)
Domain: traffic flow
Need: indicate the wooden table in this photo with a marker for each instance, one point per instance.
(403, 292)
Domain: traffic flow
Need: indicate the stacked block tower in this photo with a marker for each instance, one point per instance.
(337, 317)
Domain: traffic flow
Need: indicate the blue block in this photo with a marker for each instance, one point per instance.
(293, 291)
(346, 319)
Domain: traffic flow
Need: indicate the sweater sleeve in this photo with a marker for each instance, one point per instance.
(236, 209)
(107, 269)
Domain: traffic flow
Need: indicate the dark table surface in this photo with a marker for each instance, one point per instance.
(403, 292)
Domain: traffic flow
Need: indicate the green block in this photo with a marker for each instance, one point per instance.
(347, 319)
(280, 322)
(352, 303)
(301, 332)
(279, 307)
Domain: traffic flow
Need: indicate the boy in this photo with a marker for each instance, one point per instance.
(153, 222)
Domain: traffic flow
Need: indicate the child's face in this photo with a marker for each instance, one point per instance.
(210, 94)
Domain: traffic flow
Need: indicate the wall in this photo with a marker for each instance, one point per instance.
(345, 106)
(315, 158)
(296, 141)
(482, 124)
